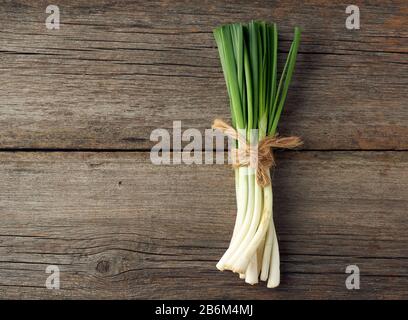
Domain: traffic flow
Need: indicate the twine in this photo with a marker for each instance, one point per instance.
(260, 156)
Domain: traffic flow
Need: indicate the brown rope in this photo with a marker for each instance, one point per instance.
(259, 156)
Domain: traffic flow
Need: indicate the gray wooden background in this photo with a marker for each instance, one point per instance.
(78, 190)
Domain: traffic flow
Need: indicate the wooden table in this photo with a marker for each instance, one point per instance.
(78, 189)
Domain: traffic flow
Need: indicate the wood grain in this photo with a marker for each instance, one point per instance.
(120, 227)
(116, 70)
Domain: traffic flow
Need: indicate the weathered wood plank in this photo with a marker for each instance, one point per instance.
(118, 69)
(119, 227)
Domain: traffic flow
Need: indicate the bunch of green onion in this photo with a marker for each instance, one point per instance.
(248, 54)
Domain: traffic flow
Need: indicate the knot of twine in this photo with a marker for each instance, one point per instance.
(259, 156)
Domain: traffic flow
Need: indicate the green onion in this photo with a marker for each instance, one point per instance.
(248, 54)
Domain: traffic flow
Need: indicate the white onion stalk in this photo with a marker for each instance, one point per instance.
(252, 232)
(241, 215)
(241, 256)
(253, 224)
(267, 253)
(241, 191)
(251, 274)
(274, 271)
(241, 264)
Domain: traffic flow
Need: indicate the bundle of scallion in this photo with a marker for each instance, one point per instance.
(248, 54)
